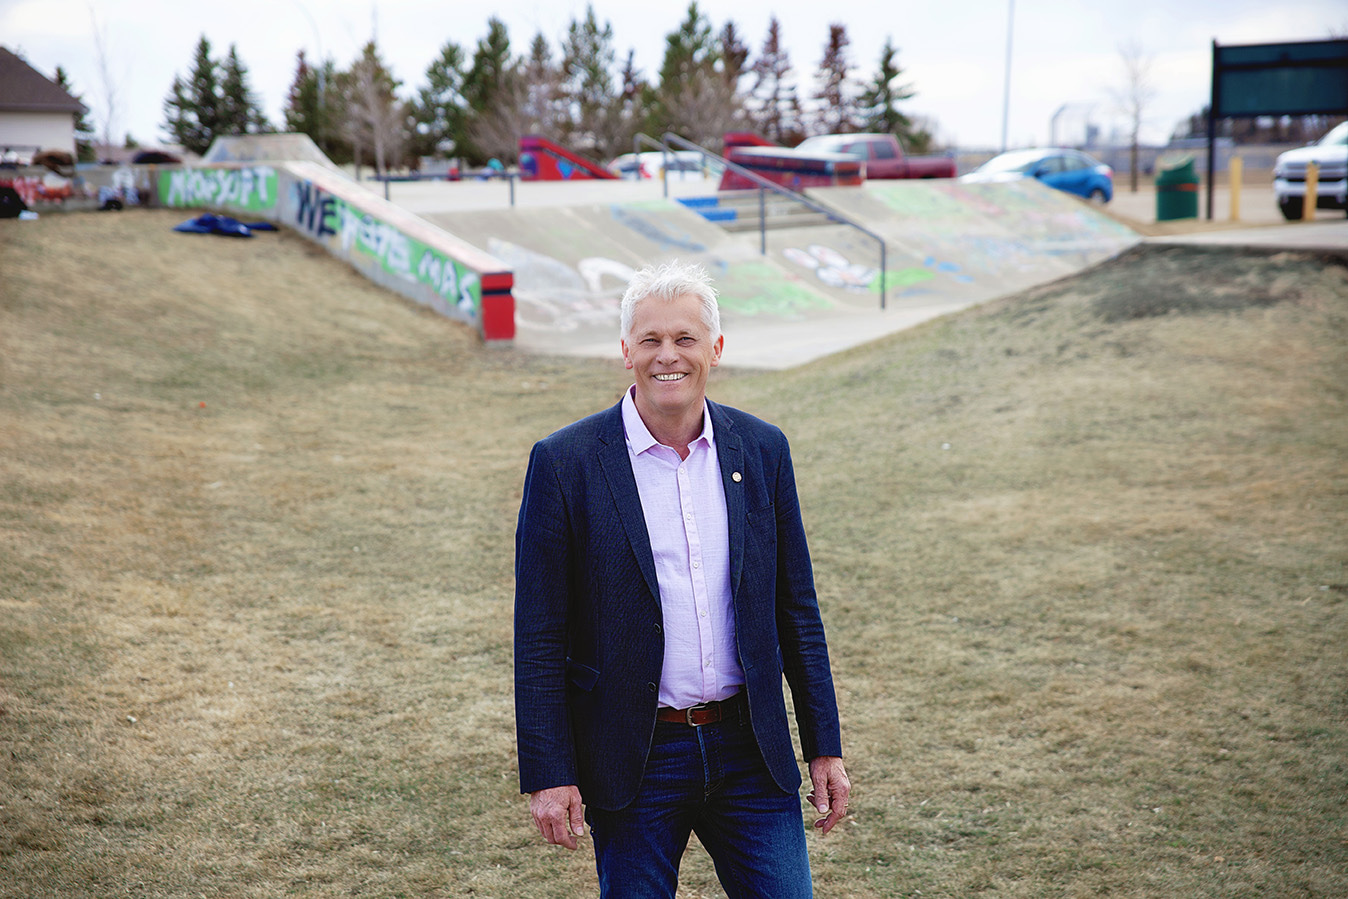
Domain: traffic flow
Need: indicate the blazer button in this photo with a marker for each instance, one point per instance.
(650, 687)
(657, 629)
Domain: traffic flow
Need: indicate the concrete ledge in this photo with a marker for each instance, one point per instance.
(387, 244)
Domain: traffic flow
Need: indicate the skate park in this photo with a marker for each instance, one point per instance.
(801, 292)
(542, 263)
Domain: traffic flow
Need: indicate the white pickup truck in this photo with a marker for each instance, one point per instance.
(1330, 153)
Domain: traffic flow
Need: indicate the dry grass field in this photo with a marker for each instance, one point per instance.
(1081, 553)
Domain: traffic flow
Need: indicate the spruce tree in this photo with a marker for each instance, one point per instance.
(310, 108)
(544, 102)
(587, 64)
(775, 105)
(694, 99)
(489, 87)
(731, 55)
(214, 101)
(84, 132)
(239, 111)
(192, 108)
(836, 111)
(878, 103)
(440, 111)
(638, 103)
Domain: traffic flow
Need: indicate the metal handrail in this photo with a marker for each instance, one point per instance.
(637, 140)
(666, 154)
(479, 174)
(765, 185)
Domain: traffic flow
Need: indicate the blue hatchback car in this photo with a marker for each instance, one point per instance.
(1070, 170)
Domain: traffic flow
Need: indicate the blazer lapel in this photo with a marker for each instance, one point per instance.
(730, 456)
(622, 484)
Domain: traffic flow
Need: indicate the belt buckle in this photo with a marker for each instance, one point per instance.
(688, 713)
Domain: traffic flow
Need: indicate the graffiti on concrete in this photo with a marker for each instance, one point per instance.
(921, 201)
(555, 297)
(595, 268)
(947, 268)
(248, 189)
(754, 288)
(315, 210)
(47, 188)
(325, 217)
(832, 267)
(658, 229)
(836, 270)
(113, 188)
(121, 191)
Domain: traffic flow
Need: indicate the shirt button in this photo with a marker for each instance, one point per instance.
(697, 564)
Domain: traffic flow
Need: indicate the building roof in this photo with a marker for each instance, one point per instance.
(25, 89)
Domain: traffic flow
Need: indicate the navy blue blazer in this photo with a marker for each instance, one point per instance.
(588, 642)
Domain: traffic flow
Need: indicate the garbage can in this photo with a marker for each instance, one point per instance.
(1177, 191)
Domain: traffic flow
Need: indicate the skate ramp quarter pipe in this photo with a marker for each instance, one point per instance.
(817, 290)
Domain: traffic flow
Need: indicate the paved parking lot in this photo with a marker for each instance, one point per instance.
(1258, 208)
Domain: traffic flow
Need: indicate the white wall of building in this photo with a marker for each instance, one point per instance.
(26, 132)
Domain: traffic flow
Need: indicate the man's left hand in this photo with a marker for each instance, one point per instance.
(829, 790)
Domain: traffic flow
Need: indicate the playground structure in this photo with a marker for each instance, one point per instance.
(544, 160)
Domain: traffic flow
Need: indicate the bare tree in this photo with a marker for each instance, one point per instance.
(1132, 98)
(544, 108)
(376, 117)
(110, 93)
(703, 109)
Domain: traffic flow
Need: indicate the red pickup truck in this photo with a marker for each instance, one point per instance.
(883, 155)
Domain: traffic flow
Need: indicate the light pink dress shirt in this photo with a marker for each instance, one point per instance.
(683, 501)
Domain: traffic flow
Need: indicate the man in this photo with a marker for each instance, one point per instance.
(663, 587)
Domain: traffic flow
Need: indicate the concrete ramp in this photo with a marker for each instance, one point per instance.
(1021, 231)
(817, 290)
(267, 148)
(571, 264)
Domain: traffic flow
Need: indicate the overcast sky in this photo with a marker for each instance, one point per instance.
(1063, 53)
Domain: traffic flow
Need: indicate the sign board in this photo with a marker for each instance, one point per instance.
(1288, 79)
(1301, 78)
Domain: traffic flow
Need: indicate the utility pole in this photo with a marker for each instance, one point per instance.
(1006, 91)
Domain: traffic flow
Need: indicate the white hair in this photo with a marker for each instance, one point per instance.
(668, 282)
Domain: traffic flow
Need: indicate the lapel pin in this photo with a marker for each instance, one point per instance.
(736, 477)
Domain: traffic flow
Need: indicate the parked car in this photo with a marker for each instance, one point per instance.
(681, 165)
(1330, 153)
(883, 155)
(1069, 170)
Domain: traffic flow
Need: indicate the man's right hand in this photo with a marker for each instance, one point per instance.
(558, 815)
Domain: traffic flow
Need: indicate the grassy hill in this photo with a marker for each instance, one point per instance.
(1080, 554)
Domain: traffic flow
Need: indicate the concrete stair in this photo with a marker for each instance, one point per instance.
(738, 211)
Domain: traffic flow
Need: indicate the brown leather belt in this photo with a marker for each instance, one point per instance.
(705, 713)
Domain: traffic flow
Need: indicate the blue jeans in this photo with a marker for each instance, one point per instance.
(711, 781)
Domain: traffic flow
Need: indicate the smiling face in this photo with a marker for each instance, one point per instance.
(671, 352)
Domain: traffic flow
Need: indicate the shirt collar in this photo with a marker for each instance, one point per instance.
(639, 436)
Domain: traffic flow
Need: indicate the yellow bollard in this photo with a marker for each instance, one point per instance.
(1312, 182)
(1237, 169)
